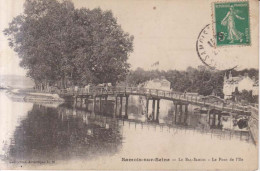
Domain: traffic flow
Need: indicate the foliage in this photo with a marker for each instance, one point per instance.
(244, 96)
(57, 42)
(199, 80)
(252, 73)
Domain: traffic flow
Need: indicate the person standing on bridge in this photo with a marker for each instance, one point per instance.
(184, 94)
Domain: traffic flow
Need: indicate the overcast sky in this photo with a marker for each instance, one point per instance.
(164, 31)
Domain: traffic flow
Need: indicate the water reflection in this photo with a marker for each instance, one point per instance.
(86, 131)
(49, 133)
(196, 116)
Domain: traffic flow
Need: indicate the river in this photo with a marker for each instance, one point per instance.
(68, 136)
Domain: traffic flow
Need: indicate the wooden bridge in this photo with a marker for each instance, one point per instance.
(179, 99)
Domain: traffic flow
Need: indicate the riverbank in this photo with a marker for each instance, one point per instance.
(30, 95)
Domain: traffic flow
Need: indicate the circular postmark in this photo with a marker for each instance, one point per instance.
(212, 56)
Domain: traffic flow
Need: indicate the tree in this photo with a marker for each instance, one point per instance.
(104, 51)
(252, 73)
(58, 43)
(244, 96)
(199, 80)
(138, 76)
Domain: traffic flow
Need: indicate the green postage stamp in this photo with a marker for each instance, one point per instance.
(232, 23)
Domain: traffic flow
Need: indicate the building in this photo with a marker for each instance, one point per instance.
(161, 84)
(239, 82)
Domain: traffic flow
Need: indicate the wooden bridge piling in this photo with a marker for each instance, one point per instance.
(86, 103)
(214, 120)
(74, 100)
(94, 103)
(100, 104)
(126, 106)
(219, 119)
(158, 110)
(186, 113)
(115, 107)
(209, 115)
(81, 101)
(180, 115)
(175, 111)
(121, 106)
(105, 106)
(153, 109)
(147, 108)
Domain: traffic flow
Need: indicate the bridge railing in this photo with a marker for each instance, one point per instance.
(165, 93)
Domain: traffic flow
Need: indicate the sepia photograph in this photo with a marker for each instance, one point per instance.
(129, 84)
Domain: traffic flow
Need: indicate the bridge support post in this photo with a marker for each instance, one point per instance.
(100, 104)
(105, 105)
(87, 98)
(209, 115)
(147, 108)
(86, 103)
(186, 113)
(75, 100)
(126, 106)
(180, 113)
(115, 107)
(153, 109)
(94, 103)
(214, 120)
(219, 119)
(81, 101)
(121, 105)
(158, 110)
(175, 111)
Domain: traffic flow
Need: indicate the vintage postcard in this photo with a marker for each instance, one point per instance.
(129, 85)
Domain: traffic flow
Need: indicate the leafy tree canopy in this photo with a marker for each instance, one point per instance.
(199, 80)
(58, 42)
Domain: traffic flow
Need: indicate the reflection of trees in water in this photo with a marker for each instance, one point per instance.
(44, 135)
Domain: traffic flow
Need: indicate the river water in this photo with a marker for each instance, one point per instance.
(68, 136)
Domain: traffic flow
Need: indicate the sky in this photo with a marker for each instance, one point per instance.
(164, 31)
